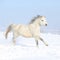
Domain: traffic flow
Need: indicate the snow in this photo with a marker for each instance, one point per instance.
(25, 48)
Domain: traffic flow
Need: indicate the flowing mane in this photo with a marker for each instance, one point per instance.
(34, 19)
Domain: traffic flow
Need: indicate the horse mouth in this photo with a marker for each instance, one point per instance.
(45, 24)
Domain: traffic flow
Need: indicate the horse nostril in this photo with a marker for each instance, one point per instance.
(45, 24)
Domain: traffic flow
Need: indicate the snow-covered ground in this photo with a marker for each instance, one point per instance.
(25, 48)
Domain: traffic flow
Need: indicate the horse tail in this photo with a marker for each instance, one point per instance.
(7, 31)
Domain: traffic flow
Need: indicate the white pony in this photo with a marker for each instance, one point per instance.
(29, 31)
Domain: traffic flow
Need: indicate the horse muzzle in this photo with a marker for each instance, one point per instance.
(45, 24)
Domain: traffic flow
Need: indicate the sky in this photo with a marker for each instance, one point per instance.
(22, 11)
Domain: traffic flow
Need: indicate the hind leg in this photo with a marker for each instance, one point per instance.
(15, 35)
(14, 41)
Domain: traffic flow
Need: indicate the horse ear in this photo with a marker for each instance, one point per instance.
(42, 16)
(38, 15)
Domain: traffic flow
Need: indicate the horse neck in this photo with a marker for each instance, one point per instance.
(35, 24)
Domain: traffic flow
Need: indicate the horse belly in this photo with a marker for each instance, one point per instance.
(27, 34)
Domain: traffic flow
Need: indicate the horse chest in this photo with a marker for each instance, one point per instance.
(34, 29)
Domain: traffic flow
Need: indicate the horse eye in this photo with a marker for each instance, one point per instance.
(42, 20)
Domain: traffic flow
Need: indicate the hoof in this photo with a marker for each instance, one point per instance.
(46, 44)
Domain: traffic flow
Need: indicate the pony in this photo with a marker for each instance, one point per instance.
(31, 30)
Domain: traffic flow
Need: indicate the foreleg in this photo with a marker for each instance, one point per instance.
(43, 41)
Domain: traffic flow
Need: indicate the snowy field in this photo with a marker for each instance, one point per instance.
(25, 48)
